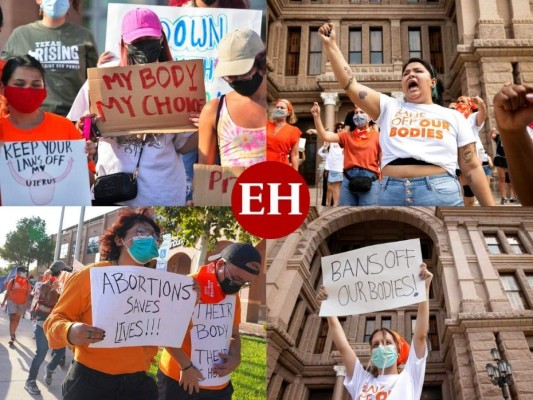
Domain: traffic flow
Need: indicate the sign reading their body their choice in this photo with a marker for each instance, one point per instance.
(374, 278)
(192, 33)
(210, 336)
(44, 173)
(158, 97)
(213, 184)
(137, 306)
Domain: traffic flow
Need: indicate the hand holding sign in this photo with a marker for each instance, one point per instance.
(81, 334)
(231, 362)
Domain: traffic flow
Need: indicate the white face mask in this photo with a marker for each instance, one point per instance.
(23, 274)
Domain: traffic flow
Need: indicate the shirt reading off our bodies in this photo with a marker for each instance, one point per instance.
(426, 132)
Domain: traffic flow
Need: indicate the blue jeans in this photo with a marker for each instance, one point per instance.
(435, 190)
(40, 354)
(347, 198)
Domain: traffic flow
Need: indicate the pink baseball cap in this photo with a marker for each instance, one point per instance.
(140, 22)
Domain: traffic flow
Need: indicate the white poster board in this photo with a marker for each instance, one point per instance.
(48, 173)
(374, 278)
(192, 33)
(138, 306)
(210, 336)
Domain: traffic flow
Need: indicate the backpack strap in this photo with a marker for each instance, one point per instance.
(217, 118)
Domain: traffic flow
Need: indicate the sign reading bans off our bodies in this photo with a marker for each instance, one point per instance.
(374, 278)
(139, 306)
(157, 97)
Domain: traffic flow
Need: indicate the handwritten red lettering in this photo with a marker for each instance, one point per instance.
(119, 78)
(190, 72)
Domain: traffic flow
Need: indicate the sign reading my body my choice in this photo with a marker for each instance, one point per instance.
(192, 33)
(138, 306)
(374, 278)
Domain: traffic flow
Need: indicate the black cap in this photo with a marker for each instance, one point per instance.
(21, 269)
(240, 254)
(58, 266)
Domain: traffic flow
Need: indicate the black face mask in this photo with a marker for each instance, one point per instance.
(249, 87)
(229, 287)
(144, 52)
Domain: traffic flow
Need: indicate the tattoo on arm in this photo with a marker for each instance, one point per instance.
(468, 153)
(348, 71)
(468, 178)
(362, 94)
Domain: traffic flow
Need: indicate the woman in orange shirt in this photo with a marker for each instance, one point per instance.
(282, 136)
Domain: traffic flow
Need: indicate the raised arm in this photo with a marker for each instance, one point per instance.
(481, 115)
(513, 110)
(362, 96)
(348, 356)
(325, 135)
(422, 316)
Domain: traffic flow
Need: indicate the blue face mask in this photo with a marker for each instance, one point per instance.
(55, 8)
(279, 113)
(384, 356)
(143, 249)
(359, 120)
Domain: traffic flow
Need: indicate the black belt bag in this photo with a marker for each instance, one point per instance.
(359, 184)
(114, 188)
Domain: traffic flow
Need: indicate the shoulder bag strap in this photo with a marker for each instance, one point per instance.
(136, 174)
(217, 118)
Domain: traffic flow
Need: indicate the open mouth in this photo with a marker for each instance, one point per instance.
(412, 85)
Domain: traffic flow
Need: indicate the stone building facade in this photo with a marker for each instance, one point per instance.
(481, 298)
(475, 45)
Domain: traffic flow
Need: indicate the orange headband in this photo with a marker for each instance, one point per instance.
(287, 103)
(403, 349)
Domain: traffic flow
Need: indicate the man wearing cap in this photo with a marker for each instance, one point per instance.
(17, 296)
(233, 127)
(211, 349)
(45, 298)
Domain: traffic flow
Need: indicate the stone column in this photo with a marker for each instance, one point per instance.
(490, 24)
(396, 42)
(330, 100)
(522, 20)
(338, 390)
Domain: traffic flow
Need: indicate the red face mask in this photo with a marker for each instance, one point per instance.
(210, 290)
(24, 100)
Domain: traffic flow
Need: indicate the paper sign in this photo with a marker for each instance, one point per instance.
(48, 173)
(192, 33)
(154, 96)
(138, 306)
(301, 144)
(374, 278)
(211, 335)
(213, 184)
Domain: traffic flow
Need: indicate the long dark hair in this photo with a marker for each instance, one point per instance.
(20, 61)
(127, 217)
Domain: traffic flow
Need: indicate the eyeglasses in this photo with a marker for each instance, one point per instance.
(234, 282)
(144, 233)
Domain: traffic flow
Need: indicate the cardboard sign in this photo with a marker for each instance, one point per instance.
(48, 173)
(213, 184)
(374, 278)
(137, 306)
(210, 336)
(192, 33)
(154, 97)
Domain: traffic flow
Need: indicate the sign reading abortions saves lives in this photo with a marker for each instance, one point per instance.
(374, 278)
(154, 97)
(139, 306)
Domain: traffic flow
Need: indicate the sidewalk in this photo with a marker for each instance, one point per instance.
(15, 364)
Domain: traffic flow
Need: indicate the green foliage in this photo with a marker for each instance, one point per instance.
(249, 379)
(28, 243)
(190, 223)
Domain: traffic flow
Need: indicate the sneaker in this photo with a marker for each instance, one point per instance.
(32, 387)
(48, 376)
(503, 201)
(513, 200)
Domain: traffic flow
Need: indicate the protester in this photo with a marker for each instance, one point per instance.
(179, 375)
(210, 3)
(488, 166)
(64, 49)
(17, 295)
(362, 157)
(349, 124)
(282, 136)
(46, 296)
(420, 140)
(160, 162)
(513, 110)
(500, 162)
(232, 127)
(381, 378)
(334, 155)
(104, 373)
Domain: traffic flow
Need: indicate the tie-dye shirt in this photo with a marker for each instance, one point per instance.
(239, 147)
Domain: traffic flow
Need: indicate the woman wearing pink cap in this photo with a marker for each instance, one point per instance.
(162, 178)
(382, 378)
(232, 127)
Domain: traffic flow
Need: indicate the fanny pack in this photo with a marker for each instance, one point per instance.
(359, 184)
(114, 188)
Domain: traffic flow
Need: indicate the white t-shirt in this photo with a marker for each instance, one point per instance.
(407, 385)
(334, 157)
(426, 132)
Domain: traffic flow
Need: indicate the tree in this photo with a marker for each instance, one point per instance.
(202, 227)
(28, 243)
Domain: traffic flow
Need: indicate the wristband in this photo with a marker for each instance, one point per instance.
(348, 84)
(186, 368)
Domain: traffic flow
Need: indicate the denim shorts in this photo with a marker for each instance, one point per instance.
(347, 198)
(434, 190)
(487, 170)
(334, 176)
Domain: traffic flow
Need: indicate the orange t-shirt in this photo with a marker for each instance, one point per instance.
(19, 288)
(53, 127)
(170, 367)
(361, 152)
(279, 144)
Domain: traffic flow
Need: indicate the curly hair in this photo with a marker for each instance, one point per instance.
(127, 218)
